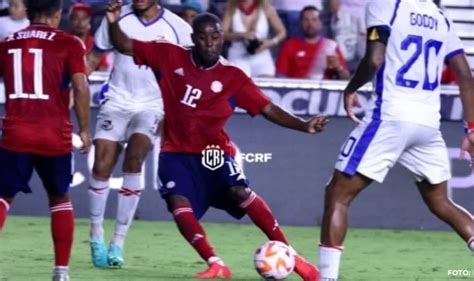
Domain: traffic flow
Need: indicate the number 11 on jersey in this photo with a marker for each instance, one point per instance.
(37, 75)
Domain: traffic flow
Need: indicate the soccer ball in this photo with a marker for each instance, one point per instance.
(274, 260)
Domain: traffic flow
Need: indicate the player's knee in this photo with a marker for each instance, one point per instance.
(175, 201)
(102, 168)
(133, 162)
(239, 193)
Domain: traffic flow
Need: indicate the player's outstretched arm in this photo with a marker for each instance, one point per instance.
(81, 92)
(121, 42)
(368, 67)
(277, 115)
(461, 68)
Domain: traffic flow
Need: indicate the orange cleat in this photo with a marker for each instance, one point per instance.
(216, 269)
(305, 269)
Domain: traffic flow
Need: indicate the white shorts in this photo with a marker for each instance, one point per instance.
(116, 123)
(373, 148)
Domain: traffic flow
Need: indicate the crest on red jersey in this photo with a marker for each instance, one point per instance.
(216, 86)
(212, 157)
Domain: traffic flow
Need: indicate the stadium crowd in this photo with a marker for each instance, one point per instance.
(323, 39)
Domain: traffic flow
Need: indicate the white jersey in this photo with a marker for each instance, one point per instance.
(421, 39)
(131, 85)
(9, 25)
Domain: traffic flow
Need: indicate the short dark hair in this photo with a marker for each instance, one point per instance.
(308, 8)
(205, 18)
(47, 8)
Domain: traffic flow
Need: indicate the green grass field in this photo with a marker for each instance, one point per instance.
(156, 251)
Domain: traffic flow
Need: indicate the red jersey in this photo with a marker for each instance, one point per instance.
(301, 59)
(197, 101)
(36, 64)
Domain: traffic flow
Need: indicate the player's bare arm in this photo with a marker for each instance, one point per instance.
(368, 67)
(277, 115)
(81, 92)
(121, 42)
(460, 66)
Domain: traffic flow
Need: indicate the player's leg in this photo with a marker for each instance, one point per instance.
(110, 129)
(437, 200)
(181, 182)
(142, 132)
(194, 233)
(15, 172)
(340, 192)
(261, 215)
(5, 203)
(428, 159)
(129, 195)
(368, 154)
(56, 175)
(105, 158)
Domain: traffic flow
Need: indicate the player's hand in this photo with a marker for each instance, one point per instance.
(316, 124)
(467, 147)
(112, 12)
(86, 142)
(350, 101)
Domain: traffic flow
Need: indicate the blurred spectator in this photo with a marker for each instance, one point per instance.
(15, 21)
(349, 33)
(170, 2)
(80, 21)
(247, 25)
(311, 56)
(289, 11)
(190, 10)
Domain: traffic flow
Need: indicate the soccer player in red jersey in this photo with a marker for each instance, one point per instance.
(200, 90)
(37, 64)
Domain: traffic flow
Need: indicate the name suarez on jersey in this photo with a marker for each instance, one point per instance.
(39, 34)
(423, 20)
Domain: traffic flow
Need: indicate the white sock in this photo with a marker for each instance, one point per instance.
(128, 198)
(470, 243)
(329, 261)
(98, 194)
(61, 270)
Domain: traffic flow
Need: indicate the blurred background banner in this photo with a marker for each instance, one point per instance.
(290, 169)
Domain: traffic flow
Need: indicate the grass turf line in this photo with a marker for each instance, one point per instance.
(156, 251)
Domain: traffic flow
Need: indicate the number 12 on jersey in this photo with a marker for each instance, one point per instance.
(191, 95)
(37, 75)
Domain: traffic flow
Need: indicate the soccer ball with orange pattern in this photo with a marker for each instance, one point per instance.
(274, 260)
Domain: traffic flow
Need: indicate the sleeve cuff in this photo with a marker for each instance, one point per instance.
(452, 54)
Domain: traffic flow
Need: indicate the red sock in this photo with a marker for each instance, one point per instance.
(4, 206)
(62, 229)
(259, 212)
(192, 231)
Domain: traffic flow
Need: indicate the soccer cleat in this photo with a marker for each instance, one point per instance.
(305, 269)
(99, 253)
(216, 270)
(115, 256)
